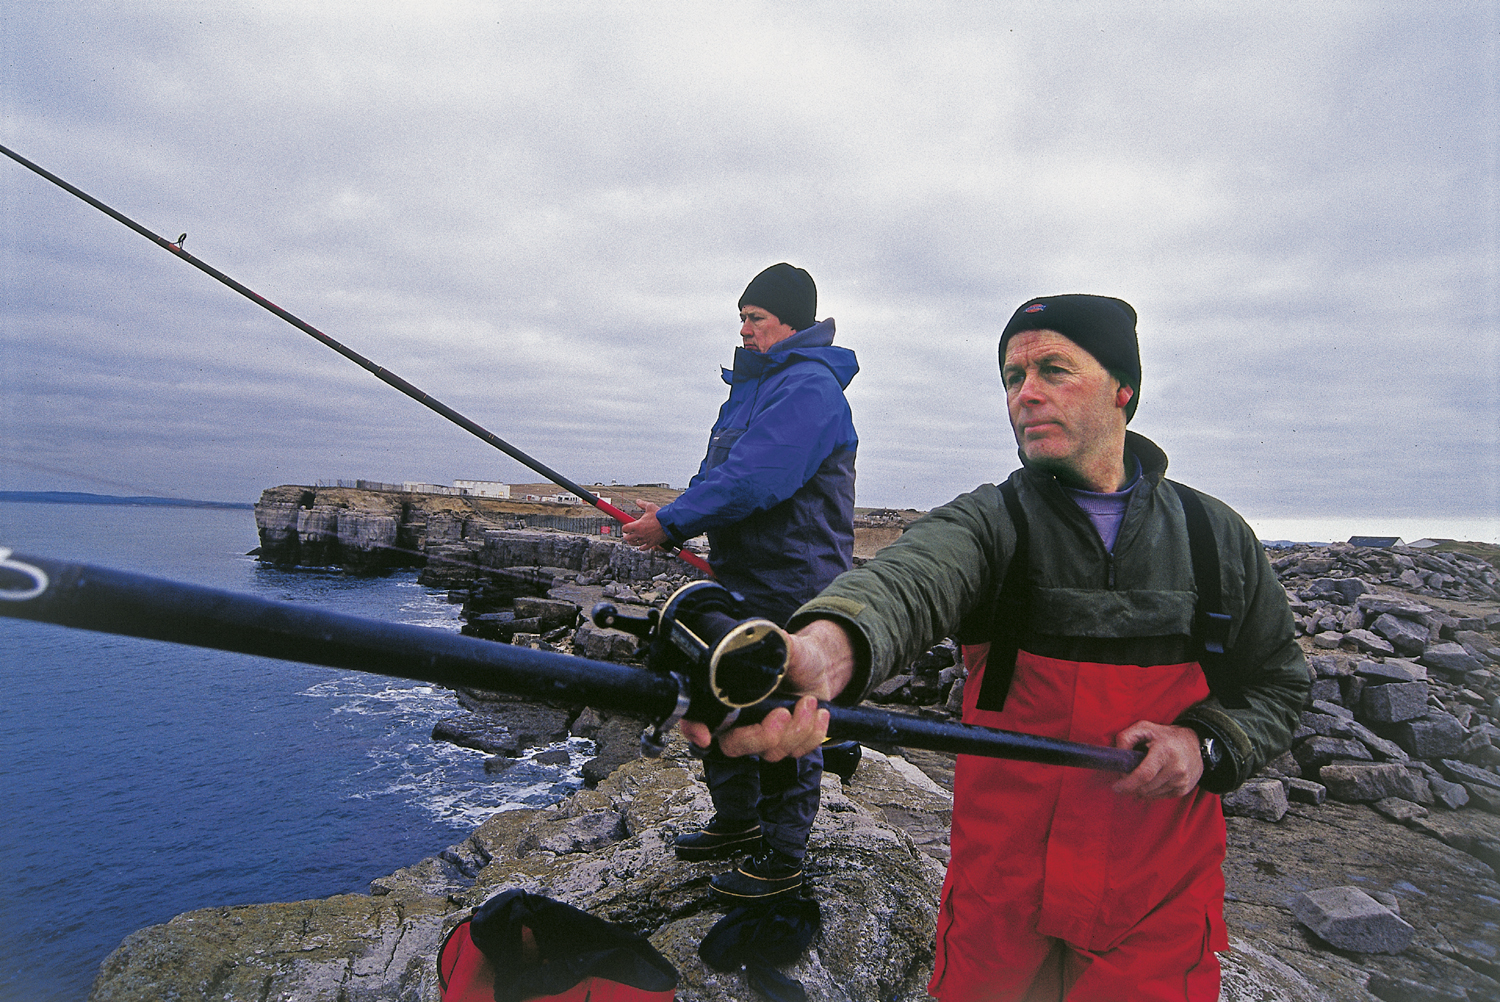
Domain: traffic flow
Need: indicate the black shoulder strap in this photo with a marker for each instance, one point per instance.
(1011, 612)
(1210, 622)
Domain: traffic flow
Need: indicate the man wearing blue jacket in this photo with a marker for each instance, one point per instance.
(775, 494)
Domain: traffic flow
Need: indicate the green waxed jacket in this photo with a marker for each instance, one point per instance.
(944, 572)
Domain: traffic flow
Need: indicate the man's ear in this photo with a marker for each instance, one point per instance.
(1123, 395)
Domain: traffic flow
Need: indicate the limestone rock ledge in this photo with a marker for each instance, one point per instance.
(607, 851)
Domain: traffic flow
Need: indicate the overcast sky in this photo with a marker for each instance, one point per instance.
(544, 214)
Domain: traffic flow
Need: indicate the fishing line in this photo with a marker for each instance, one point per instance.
(386, 376)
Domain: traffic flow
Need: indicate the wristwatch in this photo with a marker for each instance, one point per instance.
(1213, 753)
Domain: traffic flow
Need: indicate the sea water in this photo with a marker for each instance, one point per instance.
(142, 779)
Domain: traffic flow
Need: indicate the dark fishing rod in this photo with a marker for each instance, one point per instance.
(379, 372)
(111, 601)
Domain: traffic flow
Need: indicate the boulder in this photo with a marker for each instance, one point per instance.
(1393, 702)
(1319, 751)
(1361, 782)
(1349, 919)
(1264, 799)
(1434, 735)
(1406, 636)
(1450, 658)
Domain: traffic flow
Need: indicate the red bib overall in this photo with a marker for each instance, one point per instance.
(1060, 888)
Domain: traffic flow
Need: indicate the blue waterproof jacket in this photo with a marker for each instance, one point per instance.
(775, 493)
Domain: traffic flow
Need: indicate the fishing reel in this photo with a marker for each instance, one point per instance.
(723, 661)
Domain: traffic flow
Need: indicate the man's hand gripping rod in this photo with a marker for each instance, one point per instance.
(728, 667)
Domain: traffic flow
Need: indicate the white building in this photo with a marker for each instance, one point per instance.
(482, 488)
(415, 488)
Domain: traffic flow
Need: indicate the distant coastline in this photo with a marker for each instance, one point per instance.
(77, 497)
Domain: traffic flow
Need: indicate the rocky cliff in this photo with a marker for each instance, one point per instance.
(1389, 794)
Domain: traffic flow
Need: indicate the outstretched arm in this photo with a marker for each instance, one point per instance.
(821, 665)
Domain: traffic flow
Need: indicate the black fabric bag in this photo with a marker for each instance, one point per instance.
(761, 938)
(570, 946)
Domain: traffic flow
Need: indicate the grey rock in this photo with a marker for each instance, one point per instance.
(1365, 783)
(1328, 725)
(1399, 810)
(1406, 636)
(1328, 640)
(1463, 772)
(1332, 709)
(1264, 799)
(1348, 589)
(1391, 670)
(1349, 919)
(1305, 791)
(588, 833)
(1450, 658)
(1327, 690)
(1435, 735)
(1450, 795)
(1379, 746)
(1369, 643)
(1393, 702)
(1318, 751)
(1381, 604)
(601, 644)
(551, 612)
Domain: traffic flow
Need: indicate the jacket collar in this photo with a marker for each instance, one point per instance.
(810, 343)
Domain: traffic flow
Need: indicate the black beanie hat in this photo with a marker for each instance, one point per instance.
(1101, 326)
(786, 293)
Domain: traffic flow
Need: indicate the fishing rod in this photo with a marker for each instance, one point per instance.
(705, 664)
(379, 372)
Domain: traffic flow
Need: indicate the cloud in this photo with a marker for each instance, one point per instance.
(544, 217)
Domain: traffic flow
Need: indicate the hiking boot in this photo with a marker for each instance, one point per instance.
(761, 876)
(717, 840)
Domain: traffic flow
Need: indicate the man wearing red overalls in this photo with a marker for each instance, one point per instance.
(1098, 602)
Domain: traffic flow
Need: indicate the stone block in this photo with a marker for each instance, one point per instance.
(1327, 690)
(1369, 643)
(1349, 919)
(1264, 799)
(1317, 751)
(1331, 708)
(1406, 636)
(1450, 795)
(1393, 702)
(1282, 767)
(1365, 783)
(1348, 589)
(1379, 746)
(552, 612)
(1305, 791)
(1400, 810)
(1450, 658)
(1484, 797)
(600, 644)
(1435, 735)
(1463, 772)
(1328, 725)
(1328, 640)
(1382, 604)
(1390, 670)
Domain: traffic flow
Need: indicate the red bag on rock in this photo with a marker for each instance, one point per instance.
(520, 946)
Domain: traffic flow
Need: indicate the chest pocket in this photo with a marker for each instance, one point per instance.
(719, 444)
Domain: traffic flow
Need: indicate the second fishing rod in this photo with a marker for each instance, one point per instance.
(381, 373)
